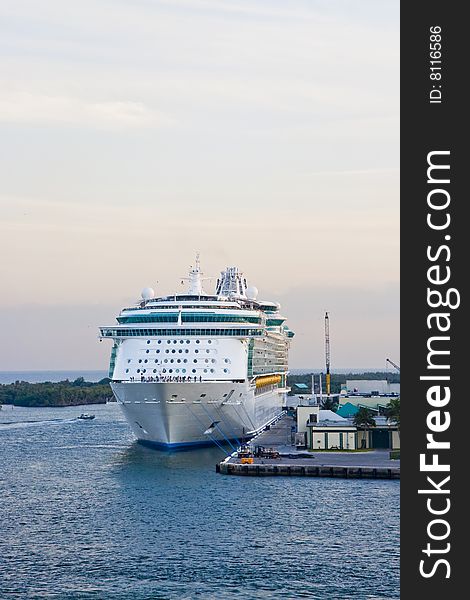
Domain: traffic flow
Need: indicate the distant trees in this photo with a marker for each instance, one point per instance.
(337, 379)
(62, 393)
(329, 403)
(364, 419)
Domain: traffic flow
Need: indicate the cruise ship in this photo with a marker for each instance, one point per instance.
(198, 369)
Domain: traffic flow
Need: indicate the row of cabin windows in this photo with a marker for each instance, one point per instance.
(185, 360)
(142, 371)
(180, 341)
(188, 318)
(157, 305)
(183, 332)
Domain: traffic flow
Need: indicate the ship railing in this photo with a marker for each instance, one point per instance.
(176, 380)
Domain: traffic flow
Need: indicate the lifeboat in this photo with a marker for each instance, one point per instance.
(268, 380)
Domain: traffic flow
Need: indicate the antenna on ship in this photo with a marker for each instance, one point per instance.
(194, 278)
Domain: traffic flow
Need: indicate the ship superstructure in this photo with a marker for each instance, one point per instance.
(193, 368)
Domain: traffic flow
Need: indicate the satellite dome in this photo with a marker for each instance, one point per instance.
(148, 293)
(251, 292)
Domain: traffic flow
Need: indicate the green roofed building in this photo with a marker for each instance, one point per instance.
(347, 410)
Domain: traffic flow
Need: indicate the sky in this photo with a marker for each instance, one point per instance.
(260, 133)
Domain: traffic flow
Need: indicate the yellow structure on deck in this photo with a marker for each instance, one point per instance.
(268, 380)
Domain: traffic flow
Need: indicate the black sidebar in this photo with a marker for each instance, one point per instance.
(435, 260)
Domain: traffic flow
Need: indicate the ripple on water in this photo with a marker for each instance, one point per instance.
(87, 513)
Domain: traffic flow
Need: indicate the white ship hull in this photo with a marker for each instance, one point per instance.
(176, 415)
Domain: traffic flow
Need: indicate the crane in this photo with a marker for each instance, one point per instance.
(393, 364)
(327, 354)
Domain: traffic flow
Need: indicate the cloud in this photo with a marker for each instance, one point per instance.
(264, 134)
(41, 109)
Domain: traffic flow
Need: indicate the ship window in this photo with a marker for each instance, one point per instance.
(158, 351)
(178, 360)
(155, 370)
(164, 370)
(187, 341)
(166, 360)
(127, 370)
(128, 360)
(207, 360)
(209, 341)
(212, 370)
(177, 370)
(168, 342)
(166, 351)
(205, 370)
(173, 351)
(224, 395)
(145, 361)
(144, 371)
(183, 370)
(140, 360)
(170, 371)
(148, 341)
(197, 342)
(155, 361)
(180, 351)
(159, 341)
(194, 370)
(207, 351)
(203, 395)
(175, 341)
(147, 351)
(195, 360)
(213, 360)
(181, 341)
(196, 351)
(226, 360)
(172, 361)
(138, 370)
(225, 370)
(186, 351)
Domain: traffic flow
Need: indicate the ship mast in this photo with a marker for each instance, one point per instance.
(195, 281)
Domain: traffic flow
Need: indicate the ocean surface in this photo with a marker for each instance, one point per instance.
(86, 512)
(39, 376)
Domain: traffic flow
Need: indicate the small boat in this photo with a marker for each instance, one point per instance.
(86, 417)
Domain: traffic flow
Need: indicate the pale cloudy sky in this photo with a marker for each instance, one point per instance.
(261, 133)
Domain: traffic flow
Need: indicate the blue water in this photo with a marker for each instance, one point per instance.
(88, 513)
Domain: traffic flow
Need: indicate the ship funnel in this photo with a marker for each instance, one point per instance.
(231, 283)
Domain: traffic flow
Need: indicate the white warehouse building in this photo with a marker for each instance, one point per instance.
(371, 386)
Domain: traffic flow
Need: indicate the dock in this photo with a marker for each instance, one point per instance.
(371, 464)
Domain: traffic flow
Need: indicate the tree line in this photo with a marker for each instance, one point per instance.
(337, 379)
(61, 393)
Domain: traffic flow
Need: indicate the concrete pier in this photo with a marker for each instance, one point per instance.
(372, 464)
(290, 469)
